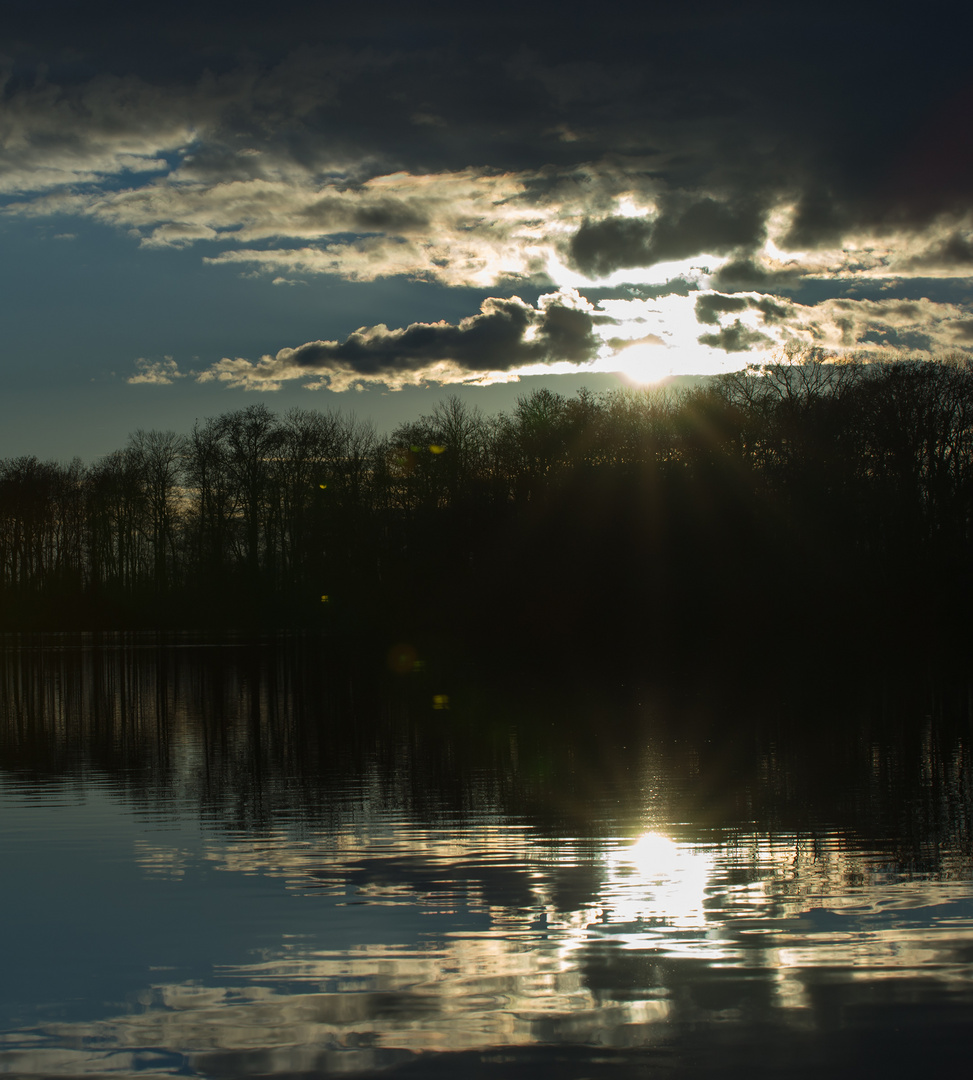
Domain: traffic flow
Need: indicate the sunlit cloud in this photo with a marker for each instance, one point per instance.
(607, 222)
(155, 372)
(845, 324)
(505, 337)
(52, 136)
(685, 332)
(314, 157)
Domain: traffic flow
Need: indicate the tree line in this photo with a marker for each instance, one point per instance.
(810, 501)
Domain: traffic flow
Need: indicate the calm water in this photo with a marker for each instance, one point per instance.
(230, 861)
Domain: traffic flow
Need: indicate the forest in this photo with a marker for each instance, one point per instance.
(823, 506)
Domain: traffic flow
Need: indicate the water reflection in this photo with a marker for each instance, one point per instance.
(253, 865)
(657, 879)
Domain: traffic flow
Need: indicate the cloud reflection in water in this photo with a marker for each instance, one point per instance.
(482, 952)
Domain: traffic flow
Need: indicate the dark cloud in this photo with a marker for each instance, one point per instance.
(897, 340)
(736, 106)
(831, 207)
(674, 287)
(677, 286)
(705, 225)
(956, 250)
(819, 220)
(774, 312)
(600, 247)
(710, 306)
(962, 330)
(375, 141)
(621, 344)
(736, 338)
(729, 96)
(507, 334)
(682, 229)
(565, 333)
(375, 215)
(747, 274)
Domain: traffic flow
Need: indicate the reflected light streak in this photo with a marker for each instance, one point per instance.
(658, 879)
(369, 1010)
(779, 907)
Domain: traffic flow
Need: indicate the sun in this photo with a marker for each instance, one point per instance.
(641, 364)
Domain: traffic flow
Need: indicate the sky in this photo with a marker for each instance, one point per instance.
(370, 206)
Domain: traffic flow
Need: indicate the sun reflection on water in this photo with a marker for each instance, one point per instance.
(658, 880)
(512, 940)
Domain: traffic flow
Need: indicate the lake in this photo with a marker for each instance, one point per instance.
(242, 859)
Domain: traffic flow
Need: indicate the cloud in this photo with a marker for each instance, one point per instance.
(843, 324)
(156, 372)
(837, 325)
(619, 345)
(294, 166)
(753, 273)
(303, 141)
(710, 306)
(55, 135)
(736, 338)
(600, 247)
(506, 336)
(564, 332)
(683, 229)
(953, 252)
(465, 228)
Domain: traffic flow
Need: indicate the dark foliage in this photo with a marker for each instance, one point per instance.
(824, 507)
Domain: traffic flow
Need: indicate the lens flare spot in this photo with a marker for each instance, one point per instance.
(402, 658)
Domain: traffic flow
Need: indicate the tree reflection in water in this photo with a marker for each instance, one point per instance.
(276, 867)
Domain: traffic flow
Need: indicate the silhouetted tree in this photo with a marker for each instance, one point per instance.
(158, 457)
(802, 501)
(117, 523)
